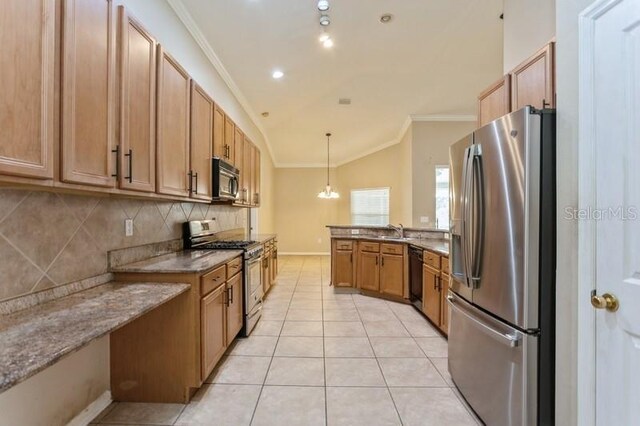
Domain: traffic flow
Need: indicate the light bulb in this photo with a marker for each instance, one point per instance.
(324, 20)
(277, 74)
(328, 43)
(323, 5)
(324, 37)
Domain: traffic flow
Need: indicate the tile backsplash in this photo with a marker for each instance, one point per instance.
(49, 239)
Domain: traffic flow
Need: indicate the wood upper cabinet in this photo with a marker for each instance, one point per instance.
(431, 299)
(444, 306)
(137, 150)
(229, 135)
(218, 133)
(27, 31)
(495, 101)
(533, 81)
(202, 125)
(173, 127)
(368, 276)
(213, 327)
(392, 274)
(256, 178)
(246, 172)
(88, 89)
(239, 162)
(234, 307)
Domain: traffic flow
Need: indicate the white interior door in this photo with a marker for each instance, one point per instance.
(610, 126)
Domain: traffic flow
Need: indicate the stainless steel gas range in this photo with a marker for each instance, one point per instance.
(199, 234)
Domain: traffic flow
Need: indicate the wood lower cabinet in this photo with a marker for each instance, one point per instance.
(173, 103)
(274, 263)
(444, 306)
(495, 101)
(431, 294)
(266, 269)
(368, 276)
(88, 92)
(234, 307)
(213, 326)
(343, 268)
(392, 274)
(201, 147)
(137, 150)
(27, 85)
(533, 81)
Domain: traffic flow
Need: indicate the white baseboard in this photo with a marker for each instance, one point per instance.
(308, 253)
(92, 411)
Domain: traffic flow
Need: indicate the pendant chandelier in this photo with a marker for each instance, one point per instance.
(328, 193)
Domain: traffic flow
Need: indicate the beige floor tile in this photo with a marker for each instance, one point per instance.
(296, 371)
(103, 413)
(254, 346)
(290, 405)
(267, 328)
(306, 304)
(302, 328)
(302, 296)
(300, 347)
(304, 315)
(276, 304)
(308, 289)
(442, 364)
(420, 328)
(430, 407)
(347, 347)
(400, 347)
(410, 372)
(241, 370)
(433, 347)
(376, 314)
(344, 329)
(387, 328)
(143, 413)
(218, 405)
(360, 406)
(353, 372)
(346, 314)
(330, 303)
(274, 314)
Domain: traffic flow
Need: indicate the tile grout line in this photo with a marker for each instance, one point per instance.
(324, 352)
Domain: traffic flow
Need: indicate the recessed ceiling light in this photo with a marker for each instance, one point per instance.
(386, 18)
(265, 114)
(323, 5)
(324, 37)
(328, 43)
(277, 74)
(324, 20)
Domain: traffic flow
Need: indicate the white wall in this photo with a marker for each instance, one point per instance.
(528, 25)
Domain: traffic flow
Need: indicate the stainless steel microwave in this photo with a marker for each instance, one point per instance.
(226, 180)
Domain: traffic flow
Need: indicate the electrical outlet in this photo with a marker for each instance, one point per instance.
(424, 219)
(128, 227)
(355, 232)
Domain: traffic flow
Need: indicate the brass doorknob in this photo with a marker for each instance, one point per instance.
(606, 301)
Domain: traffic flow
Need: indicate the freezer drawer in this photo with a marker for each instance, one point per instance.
(493, 365)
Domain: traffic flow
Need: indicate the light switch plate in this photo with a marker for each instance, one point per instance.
(128, 227)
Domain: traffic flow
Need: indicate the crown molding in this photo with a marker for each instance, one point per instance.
(184, 16)
(443, 117)
(304, 166)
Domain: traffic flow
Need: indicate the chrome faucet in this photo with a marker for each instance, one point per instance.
(398, 229)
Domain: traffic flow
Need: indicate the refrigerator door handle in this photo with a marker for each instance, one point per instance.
(504, 338)
(467, 192)
(477, 215)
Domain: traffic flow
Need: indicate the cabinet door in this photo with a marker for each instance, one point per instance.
(392, 274)
(274, 265)
(137, 151)
(533, 81)
(343, 268)
(213, 315)
(201, 143)
(431, 293)
(229, 135)
(173, 126)
(495, 101)
(266, 272)
(368, 271)
(444, 306)
(27, 31)
(239, 162)
(88, 86)
(256, 179)
(234, 308)
(247, 170)
(218, 133)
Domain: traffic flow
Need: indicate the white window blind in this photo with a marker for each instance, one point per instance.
(370, 206)
(442, 197)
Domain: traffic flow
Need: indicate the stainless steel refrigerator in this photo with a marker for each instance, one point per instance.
(502, 287)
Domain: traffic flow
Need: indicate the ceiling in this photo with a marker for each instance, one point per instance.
(433, 58)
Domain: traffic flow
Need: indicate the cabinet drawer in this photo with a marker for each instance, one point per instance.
(344, 245)
(213, 279)
(370, 247)
(234, 266)
(445, 265)
(431, 259)
(391, 248)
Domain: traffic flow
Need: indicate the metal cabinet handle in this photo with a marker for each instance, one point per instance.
(382, 260)
(376, 260)
(195, 175)
(226, 297)
(116, 151)
(190, 176)
(231, 295)
(130, 155)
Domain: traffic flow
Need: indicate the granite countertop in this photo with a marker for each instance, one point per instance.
(261, 238)
(35, 338)
(382, 227)
(186, 261)
(439, 246)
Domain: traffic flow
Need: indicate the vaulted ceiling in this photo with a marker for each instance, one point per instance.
(433, 58)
